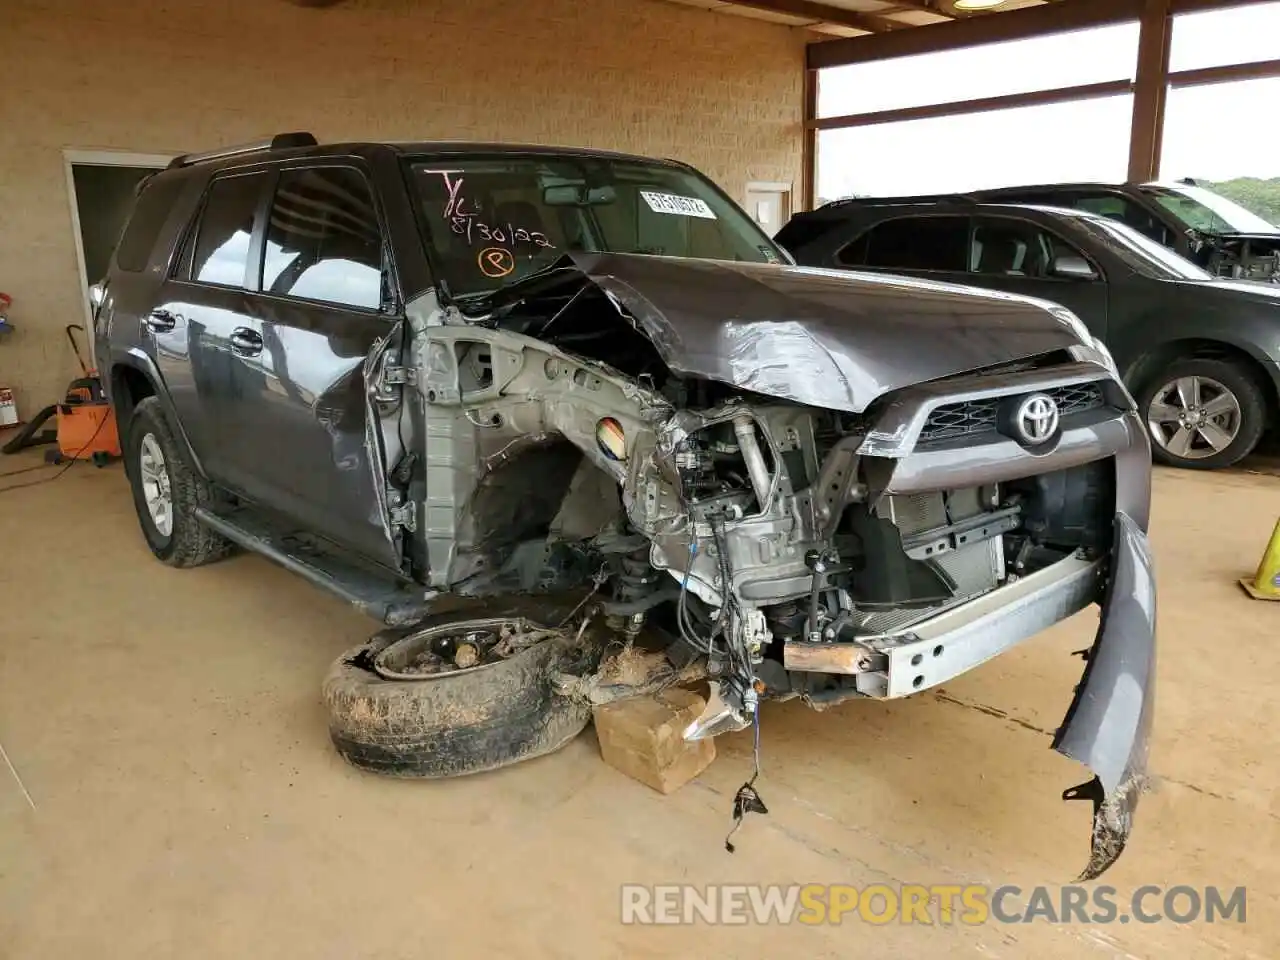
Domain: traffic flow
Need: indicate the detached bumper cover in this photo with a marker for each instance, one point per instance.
(1109, 721)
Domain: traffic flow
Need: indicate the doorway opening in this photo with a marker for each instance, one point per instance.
(102, 187)
(769, 205)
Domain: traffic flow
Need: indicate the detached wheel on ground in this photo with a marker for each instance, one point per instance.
(1203, 414)
(452, 697)
(167, 490)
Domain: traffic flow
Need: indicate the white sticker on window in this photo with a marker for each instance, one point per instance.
(677, 205)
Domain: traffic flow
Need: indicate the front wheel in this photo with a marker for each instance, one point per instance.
(457, 696)
(1203, 414)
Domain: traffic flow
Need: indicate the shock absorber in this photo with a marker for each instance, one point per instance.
(635, 582)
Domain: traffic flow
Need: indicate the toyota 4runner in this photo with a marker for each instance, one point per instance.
(413, 370)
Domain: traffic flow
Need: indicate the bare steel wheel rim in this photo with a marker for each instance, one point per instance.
(1194, 417)
(157, 492)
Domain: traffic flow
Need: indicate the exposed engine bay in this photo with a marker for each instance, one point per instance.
(740, 523)
(1238, 256)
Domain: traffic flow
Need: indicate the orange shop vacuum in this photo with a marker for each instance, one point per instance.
(86, 424)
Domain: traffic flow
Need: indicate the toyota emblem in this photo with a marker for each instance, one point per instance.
(1037, 419)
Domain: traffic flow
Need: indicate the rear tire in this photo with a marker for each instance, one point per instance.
(454, 724)
(1213, 420)
(159, 471)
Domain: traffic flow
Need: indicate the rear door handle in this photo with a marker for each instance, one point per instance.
(161, 321)
(246, 342)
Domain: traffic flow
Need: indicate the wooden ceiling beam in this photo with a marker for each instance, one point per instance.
(812, 10)
(924, 6)
(974, 31)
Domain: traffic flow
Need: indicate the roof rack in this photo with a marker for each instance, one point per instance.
(889, 201)
(281, 141)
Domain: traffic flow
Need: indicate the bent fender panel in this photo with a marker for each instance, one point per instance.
(1109, 721)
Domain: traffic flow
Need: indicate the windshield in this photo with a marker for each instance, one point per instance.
(494, 219)
(1208, 212)
(1140, 252)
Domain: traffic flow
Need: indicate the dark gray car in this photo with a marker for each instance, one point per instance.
(417, 370)
(1201, 354)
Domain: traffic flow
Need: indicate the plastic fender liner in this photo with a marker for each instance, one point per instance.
(1109, 721)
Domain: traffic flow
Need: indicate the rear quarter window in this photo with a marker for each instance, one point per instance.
(912, 243)
(801, 231)
(150, 210)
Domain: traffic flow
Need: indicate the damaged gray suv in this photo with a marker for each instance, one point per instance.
(413, 372)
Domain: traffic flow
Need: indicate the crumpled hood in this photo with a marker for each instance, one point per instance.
(824, 338)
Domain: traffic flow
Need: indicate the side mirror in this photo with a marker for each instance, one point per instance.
(1068, 266)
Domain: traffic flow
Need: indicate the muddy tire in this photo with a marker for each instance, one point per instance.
(167, 490)
(454, 724)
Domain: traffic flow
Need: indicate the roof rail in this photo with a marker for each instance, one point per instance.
(281, 141)
(890, 201)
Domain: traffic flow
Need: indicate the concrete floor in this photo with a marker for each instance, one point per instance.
(185, 801)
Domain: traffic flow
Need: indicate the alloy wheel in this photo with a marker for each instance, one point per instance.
(157, 492)
(1194, 417)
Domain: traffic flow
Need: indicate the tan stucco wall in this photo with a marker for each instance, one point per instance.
(722, 93)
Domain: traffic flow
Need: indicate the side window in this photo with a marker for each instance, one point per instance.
(1007, 247)
(155, 199)
(221, 249)
(911, 243)
(1115, 207)
(323, 239)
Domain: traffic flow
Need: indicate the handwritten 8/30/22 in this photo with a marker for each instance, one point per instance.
(463, 218)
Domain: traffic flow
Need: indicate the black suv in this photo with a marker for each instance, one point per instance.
(1201, 354)
(1205, 227)
(411, 370)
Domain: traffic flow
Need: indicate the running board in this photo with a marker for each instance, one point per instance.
(381, 597)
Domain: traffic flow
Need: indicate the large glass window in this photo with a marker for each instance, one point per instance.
(991, 70)
(493, 220)
(1086, 140)
(323, 239)
(221, 252)
(1216, 38)
(1219, 136)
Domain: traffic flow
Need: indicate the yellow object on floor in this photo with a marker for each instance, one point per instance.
(1266, 583)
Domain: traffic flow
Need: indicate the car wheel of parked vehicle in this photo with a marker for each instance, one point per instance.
(1203, 414)
(450, 697)
(167, 490)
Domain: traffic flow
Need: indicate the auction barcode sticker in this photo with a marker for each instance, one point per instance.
(677, 205)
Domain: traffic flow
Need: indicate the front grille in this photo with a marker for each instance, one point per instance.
(973, 417)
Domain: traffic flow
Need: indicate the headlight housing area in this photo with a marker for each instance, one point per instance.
(1105, 358)
(1074, 323)
(1096, 352)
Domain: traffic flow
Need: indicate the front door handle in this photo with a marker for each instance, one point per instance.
(246, 342)
(161, 321)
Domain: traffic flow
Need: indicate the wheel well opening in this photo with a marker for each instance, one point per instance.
(129, 387)
(1143, 370)
(506, 510)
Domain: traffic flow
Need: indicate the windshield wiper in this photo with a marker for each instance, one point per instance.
(507, 296)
